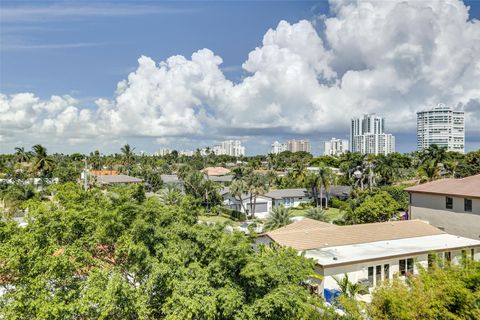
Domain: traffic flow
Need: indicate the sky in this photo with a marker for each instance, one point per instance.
(86, 75)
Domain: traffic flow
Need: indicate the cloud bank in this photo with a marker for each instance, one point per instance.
(309, 77)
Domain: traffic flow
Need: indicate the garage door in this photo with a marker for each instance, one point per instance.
(261, 207)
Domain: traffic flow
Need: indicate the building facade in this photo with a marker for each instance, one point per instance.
(335, 147)
(298, 145)
(367, 136)
(452, 205)
(442, 126)
(278, 147)
(230, 148)
(370, 253)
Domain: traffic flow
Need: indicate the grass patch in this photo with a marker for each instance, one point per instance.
(332, 213)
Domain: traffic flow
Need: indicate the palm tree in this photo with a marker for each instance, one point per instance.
(171, 195)
(256, 185)
(325, 174)
(128, 157)
(314, 184)
(279, 217)
(238, 189)
(317, 214)
(429, 171)
(21, 155)
(42, 163)
(348, 288)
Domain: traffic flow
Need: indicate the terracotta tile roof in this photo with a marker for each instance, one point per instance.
(216, 171)
(466, 187)
(310, 234)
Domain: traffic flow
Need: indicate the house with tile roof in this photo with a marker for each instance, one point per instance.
(370, 253)
(452, 205)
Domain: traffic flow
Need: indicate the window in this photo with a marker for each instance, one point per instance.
(448, 257)
(370, 276)
(402, 266)
(464, 256)
(378, 274)
(410, 266)
(472, 253)
(448, 202)
(406, 266)
(386, 271)
(467, 203)
(431, 260)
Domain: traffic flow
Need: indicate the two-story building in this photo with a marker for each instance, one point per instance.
(452, 205)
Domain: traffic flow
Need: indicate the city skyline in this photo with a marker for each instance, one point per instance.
(298, 70)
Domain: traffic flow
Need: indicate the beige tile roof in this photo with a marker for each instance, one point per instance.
(216, 171)
(310, 234)
(466, 187)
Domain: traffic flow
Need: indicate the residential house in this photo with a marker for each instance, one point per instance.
(116, 179)
(370, 253)
(452, 205)
(289, 198)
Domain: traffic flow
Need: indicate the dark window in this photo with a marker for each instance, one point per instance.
(464, 256)
(386, 271)
(448, 257)
(378, 275)
(431, 260)
(410, 265)
(472, 254)
(402, 266)
(468, 205)
(370, 276)
(448, 202)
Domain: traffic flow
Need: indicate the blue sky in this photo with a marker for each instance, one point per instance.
(84, 48)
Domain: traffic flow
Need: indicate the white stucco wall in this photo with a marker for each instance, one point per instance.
(455, 221)
(358, 271)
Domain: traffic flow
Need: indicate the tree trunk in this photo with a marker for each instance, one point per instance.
(321, 198)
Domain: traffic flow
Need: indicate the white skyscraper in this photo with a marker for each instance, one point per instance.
(442, 126)
(230, 148)
(335, 147)
(298, 145)
(278, 147)
(367, 136)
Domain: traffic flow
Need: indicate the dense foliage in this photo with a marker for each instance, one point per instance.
(91, 255)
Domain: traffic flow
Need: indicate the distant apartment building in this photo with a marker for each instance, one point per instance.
(164, 151)
(230, 147)
(278, 147)
(442, 126)
(367, 136)
(335, 147)
(298, 145)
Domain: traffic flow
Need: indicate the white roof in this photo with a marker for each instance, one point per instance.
(385, 249)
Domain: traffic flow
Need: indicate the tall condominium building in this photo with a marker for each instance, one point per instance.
(298, 145)
(442, 126)
(367, 136)
(230, 148)
(335, 147)
(278, 147)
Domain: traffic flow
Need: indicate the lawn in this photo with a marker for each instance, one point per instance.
(218, 219)
(331, 213)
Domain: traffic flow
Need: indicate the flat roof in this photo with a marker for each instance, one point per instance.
(311, 234)
(348, 254)
(465, 187)
(121, 178)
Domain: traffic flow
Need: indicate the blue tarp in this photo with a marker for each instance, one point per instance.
(330, 295)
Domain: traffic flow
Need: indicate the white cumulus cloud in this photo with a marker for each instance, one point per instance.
(389, 57)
